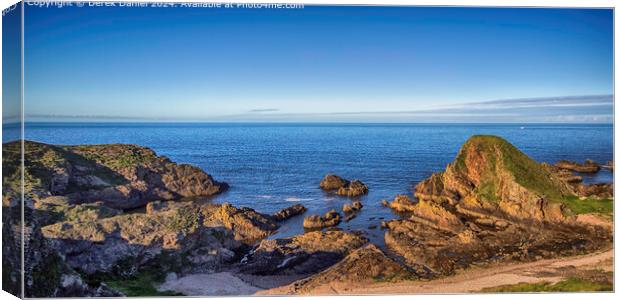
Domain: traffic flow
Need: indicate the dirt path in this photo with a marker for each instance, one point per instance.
(472, 280)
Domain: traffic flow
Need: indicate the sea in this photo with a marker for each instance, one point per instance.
(272, 166)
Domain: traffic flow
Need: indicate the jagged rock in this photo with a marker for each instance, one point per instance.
(597, 190)
(402, 203)
(121, 176)
(330, 219)
(436, 215)
(343, 187)
(302, 254)
(588, 166)
(385, 202)
(247, 225)
(204, 236)
(289, 212)
(367, 264)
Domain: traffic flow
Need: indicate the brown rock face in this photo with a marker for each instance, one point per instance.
(330, 219)
(343, 187)
(493, 203)
(402, 203)
(493, 177)
(588, 166)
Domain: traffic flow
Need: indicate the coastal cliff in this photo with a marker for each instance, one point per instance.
(113, 220)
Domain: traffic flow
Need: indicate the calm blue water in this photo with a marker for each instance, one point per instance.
(271, 166)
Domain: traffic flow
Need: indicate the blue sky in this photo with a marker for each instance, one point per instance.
(358, 64)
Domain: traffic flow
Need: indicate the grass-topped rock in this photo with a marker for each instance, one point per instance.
(491, 175)
(122, 176)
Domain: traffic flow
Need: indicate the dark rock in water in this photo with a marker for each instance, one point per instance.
(330, 219)
(385, 203)
(353, 189)
(289, 212)
(333, 182)
(588, 166)
(343, 187)
(353, 208)
(302, 254)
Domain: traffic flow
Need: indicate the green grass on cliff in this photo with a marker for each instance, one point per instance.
(567, 285)
(603, 207)
(140, 285)
(495, 150)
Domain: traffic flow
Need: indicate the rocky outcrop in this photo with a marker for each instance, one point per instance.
(401, 203)
(333, 182)
(493, 203)
(353, 208)
(588, 166)
(493, 177)
(595, 190)
(302, 254)
(330, 219)
(432, 252)
(121, 176)
(195, 236)
(289, 212)
(343, 187)
(367, 264)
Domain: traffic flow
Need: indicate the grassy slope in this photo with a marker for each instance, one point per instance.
(567, 285)
(527, 172)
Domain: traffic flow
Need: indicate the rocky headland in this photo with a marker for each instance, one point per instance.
(114, 220)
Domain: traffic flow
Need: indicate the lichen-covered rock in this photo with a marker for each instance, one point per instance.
(330, 219)
(121, 176)
(189, 234)
(302, 254)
